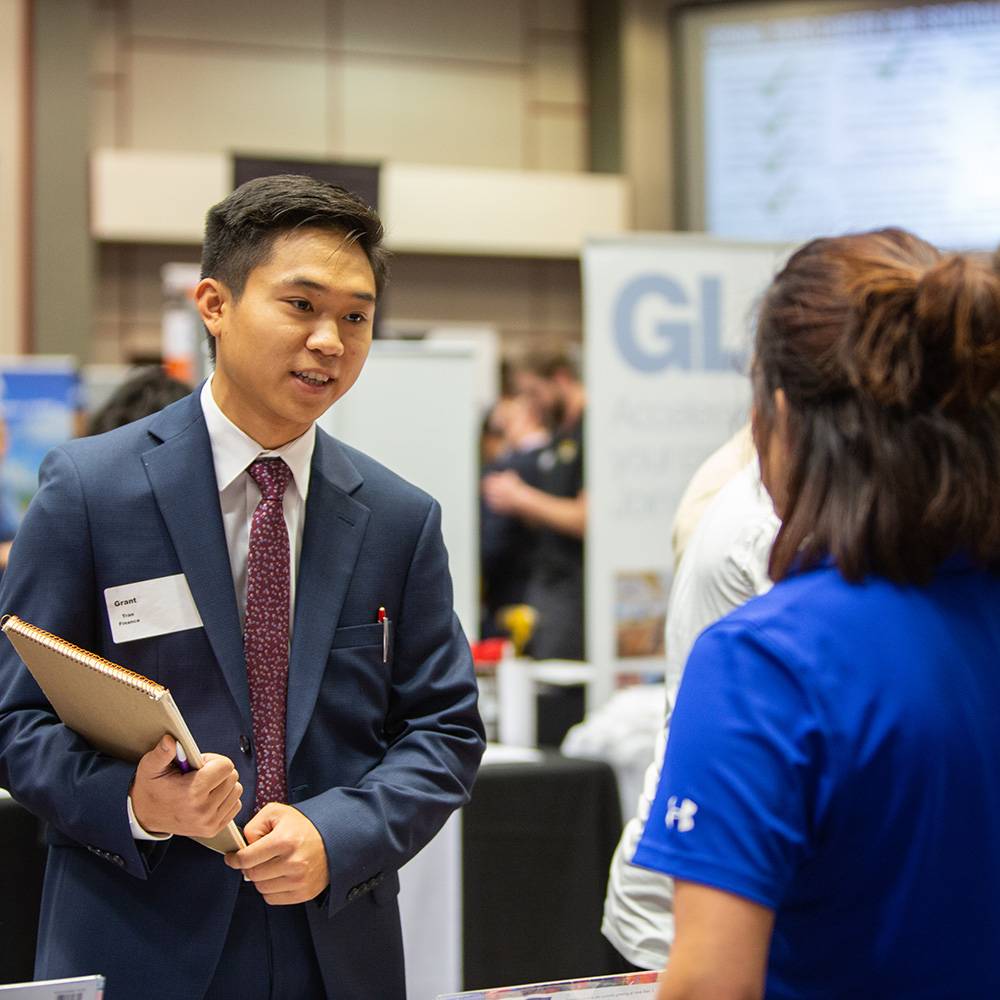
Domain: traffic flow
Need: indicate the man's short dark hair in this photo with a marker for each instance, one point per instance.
(547, 363)
(240, 231)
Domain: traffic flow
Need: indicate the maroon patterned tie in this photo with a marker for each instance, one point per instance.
(265, 634)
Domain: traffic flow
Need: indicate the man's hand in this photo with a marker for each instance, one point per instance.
(507, 493)
(197, 804)
(504, 492)
(285, 857)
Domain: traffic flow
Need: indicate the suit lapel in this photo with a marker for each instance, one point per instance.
(331, 540)
(181, 473)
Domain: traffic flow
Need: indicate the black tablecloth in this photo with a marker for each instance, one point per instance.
(22, 862)
(537, 843)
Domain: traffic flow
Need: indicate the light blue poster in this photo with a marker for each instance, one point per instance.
(40, 398)
(668, 324)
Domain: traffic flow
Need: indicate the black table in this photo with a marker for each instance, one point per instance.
(537, 843)
(22, 862)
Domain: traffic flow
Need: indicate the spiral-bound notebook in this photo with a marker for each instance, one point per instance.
(117, 711)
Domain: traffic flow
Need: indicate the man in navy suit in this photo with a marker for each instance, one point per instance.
(260, 610)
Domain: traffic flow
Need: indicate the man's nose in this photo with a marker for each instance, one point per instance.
(325, 338)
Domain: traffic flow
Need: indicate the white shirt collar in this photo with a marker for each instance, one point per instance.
(233, 450)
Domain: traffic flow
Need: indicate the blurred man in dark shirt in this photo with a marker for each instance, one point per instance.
(552, 500)
(513, 434)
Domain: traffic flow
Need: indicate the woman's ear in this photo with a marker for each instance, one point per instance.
(781, 415)
(774, 455)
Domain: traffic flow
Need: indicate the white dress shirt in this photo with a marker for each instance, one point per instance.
(725, 564)
(232, 453)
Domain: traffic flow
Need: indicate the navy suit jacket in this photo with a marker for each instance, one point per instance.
(378, 754)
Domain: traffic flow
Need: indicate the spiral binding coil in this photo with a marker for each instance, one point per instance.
(18, 625)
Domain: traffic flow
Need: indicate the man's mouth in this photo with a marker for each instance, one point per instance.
(313, 378)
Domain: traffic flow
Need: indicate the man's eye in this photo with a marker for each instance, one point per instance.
(357, 318)
(302, 305)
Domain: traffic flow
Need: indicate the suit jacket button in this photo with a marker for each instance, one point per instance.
(245, 743)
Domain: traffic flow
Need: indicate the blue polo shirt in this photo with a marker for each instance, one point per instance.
(834, 755)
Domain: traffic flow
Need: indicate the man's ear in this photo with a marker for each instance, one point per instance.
(212, 298)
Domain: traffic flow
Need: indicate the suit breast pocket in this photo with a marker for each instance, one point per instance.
(359, 635)
(356, 689)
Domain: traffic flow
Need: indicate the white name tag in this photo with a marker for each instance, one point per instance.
(151, 607)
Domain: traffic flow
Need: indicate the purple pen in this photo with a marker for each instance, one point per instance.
(182, 761)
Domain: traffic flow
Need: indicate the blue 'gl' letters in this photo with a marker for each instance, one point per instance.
(677, 337)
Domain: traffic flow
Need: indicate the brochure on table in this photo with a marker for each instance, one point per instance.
(78, 988)
(631, 985)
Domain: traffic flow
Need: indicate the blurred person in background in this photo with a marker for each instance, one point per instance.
(9, 518)
(828, 804)
(144, 392)
(724, 463)
(512, 435)
(555, 506)
(727, 529)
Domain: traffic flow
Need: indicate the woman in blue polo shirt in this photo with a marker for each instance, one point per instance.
(830, 800)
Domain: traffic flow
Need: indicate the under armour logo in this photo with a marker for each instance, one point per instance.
(680, 816)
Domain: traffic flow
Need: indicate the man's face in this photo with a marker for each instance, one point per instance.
(298, 337)
(541, 394)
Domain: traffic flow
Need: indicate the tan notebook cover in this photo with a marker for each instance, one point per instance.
(118, 712)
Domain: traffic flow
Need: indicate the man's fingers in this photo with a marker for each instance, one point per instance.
(232, 803)
(263, 823)
(160, 758)
(272, 870)
(285, 897)
(248, 863)
(219, 772)
(260, 851)
(215, 796)
(279, 889)
(287, 863)
(228, 806)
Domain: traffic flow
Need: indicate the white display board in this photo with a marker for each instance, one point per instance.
(853, 119)
(414, 408)
(667, 323)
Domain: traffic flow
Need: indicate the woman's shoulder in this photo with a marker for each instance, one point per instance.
(805, 621)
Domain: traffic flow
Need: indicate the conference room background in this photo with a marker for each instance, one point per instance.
(496, 139)
(696, 108)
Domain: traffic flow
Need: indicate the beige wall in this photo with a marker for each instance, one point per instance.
(62, 253)
(467, 82)
(456, 82)
(13, 51)
(646, 112)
